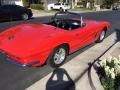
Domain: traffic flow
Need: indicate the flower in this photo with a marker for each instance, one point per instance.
(106, 68)
(116, 61)
(109, 59)
(117, 69)
(102, 63)
(112, 69)
(111, 66)
(112, 74)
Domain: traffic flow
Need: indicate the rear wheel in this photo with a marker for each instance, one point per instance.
(101, 37)
(61, 9)
(25, 16)
(51, 8)
(57, 58)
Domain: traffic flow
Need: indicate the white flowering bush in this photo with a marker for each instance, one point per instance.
(110, 73)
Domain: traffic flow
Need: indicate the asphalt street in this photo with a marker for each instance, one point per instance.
(13, 77)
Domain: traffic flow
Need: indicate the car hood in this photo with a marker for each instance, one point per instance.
(23, 39)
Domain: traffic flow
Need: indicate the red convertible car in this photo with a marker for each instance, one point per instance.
(36, 44)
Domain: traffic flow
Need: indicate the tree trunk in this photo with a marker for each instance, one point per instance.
(45, 4)
(72, 3)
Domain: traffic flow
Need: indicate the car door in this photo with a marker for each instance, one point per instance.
(74, 39)
(87, 34)
(16, 11)
(82, 36)
(4, 13)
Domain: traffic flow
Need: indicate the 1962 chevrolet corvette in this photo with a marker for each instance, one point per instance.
(36, 44)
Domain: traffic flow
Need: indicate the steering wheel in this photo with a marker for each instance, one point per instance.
(57, 22)
(63, 24)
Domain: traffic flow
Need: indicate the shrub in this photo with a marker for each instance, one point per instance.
(79, 3)
(25, 3)
(111, 67)
(37, 6)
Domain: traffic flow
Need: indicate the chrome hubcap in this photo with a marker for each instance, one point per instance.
(59, 56)
(25, 16)
(102, 35)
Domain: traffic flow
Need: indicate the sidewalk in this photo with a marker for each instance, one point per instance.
(75, 72)
(42, 13)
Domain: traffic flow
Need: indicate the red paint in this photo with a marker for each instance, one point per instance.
(28, 43)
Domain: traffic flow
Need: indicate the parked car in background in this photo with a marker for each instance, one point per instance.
(12, 12)
(59, 6)
(116, 6)
(105, 6)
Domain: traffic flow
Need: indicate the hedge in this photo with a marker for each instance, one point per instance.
(25, 3)
(37, 6)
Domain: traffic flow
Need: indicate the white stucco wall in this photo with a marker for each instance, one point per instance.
(17, 2)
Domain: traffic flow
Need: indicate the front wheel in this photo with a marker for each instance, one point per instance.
(101, 37)
(25, 16)
(57, 58)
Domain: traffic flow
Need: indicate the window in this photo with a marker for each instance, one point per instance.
(57, 4)
(66, 4)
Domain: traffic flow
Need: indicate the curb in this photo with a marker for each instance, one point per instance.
(37, 13)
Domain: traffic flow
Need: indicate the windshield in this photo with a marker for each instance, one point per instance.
(67, 20)
(67, 15)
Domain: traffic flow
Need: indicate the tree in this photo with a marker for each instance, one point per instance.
(72, 2)
(108, 3)
(45, 4)
(25, 3)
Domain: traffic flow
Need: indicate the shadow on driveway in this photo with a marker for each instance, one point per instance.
(60, 80)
